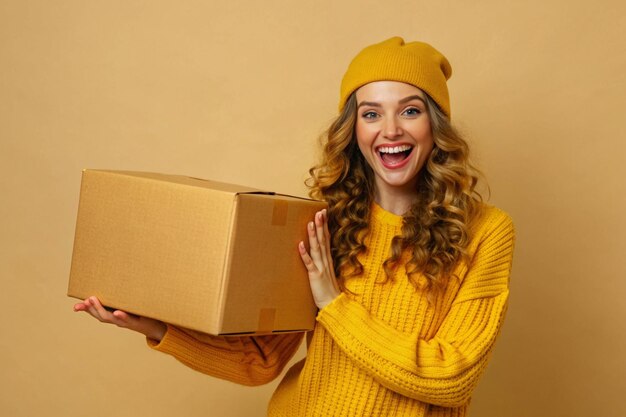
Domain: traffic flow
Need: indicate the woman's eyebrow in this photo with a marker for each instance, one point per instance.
(409, 98)
(368, 103)
(404, 100)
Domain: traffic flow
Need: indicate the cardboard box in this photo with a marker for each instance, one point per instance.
(209, 256)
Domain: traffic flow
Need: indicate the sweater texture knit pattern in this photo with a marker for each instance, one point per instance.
(381, 348)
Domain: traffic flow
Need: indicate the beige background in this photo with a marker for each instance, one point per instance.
(238, 92)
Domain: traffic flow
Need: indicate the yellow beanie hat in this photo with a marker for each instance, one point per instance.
(415, 63)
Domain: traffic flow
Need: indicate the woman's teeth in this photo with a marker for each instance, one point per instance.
(395, 149)
(393, 155)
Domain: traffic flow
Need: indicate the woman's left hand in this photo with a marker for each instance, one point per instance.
(319, 262)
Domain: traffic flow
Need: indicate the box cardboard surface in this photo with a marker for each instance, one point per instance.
(209, 256)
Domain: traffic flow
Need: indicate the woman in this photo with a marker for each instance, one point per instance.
(422, 264)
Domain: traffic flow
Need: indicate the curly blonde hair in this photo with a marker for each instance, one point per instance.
(437, 227)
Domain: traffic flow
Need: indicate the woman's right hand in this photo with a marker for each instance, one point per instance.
(151, 328)
(319, 262)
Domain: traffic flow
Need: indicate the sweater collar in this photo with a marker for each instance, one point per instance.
(381, 215)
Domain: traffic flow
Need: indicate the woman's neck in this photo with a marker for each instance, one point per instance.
(396, 201)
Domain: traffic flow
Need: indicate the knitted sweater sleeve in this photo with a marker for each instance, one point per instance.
(246, 360)
(444, 369)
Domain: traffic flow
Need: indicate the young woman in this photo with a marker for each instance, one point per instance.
(408, 267)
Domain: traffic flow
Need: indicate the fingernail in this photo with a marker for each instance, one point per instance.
(310, 225)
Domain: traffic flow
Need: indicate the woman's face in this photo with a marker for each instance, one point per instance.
(393, 132)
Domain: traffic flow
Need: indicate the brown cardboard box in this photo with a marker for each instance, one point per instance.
(213, 257)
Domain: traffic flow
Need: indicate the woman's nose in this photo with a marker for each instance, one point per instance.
(392, 129)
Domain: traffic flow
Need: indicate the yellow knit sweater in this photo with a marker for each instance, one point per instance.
(381, 349)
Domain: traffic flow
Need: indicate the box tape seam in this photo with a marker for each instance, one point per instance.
(267, 317)
(279, 213)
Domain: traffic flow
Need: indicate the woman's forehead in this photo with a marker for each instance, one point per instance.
(379, 91)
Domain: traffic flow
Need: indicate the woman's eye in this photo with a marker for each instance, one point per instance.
(370, 115)
(413, 111)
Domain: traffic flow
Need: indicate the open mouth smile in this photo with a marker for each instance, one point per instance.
(394, 156)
